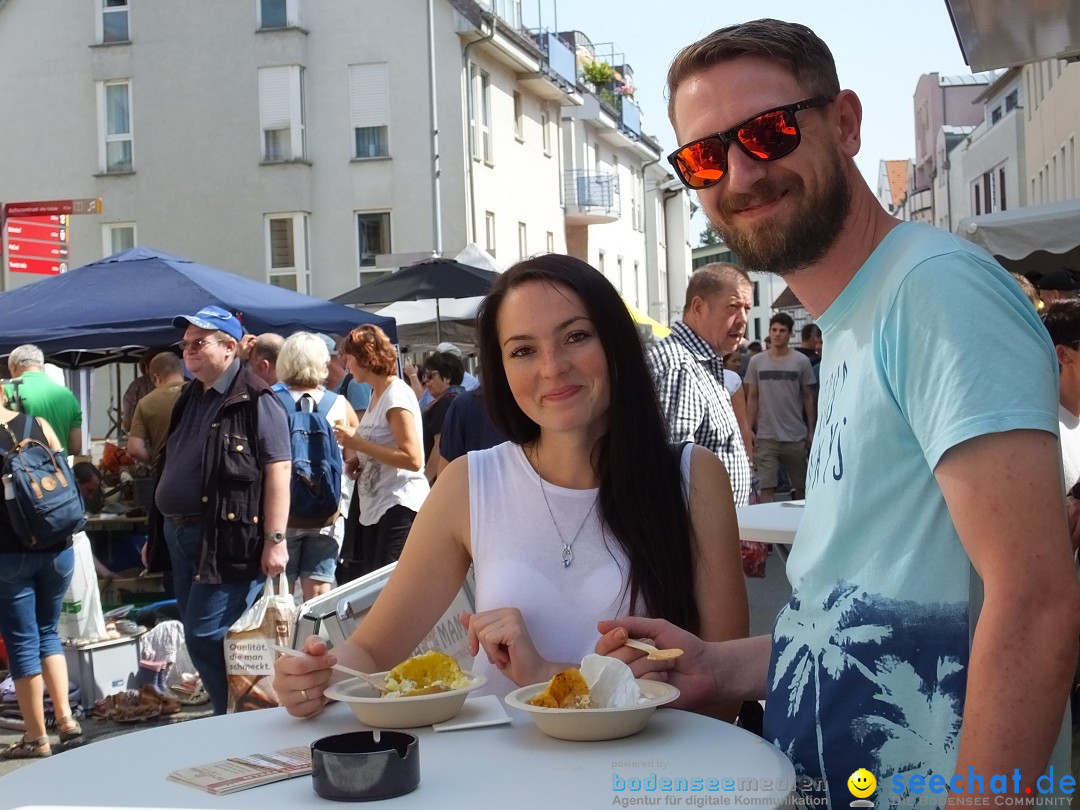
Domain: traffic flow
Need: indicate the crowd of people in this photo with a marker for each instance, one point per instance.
(591, 485)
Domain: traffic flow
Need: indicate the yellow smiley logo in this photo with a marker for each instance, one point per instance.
(861, 783)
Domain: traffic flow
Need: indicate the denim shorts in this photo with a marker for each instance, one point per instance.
(32, 590)
(313, 556)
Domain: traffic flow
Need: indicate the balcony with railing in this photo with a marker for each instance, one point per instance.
(557, 77)
(592, 197)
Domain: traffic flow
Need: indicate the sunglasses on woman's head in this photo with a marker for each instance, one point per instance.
(769, 135)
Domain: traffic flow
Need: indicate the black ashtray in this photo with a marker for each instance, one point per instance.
(364, 766)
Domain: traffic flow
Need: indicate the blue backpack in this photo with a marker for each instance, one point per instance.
(43, 501)
(315, 490)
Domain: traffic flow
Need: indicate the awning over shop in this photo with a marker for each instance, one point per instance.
(1030, 240)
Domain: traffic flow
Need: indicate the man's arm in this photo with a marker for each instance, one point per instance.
(809, 403)
(1003, 491)
(275, 515)
(74, 441)
(680, 404)
(138, 449)
(751, 404)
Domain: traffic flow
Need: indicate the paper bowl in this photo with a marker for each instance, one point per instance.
(376, 711)
(593, 724)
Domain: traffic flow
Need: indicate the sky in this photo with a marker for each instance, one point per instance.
(881, 48)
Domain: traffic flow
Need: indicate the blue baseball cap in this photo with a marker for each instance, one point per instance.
(214, 318)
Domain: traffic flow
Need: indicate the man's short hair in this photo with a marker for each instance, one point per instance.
(811, 330)
(713, 279)
(268, 346)
(165, 364)
(783, 319)
(26, 356)
(85, 471)
(793, 45)
(1062, 321)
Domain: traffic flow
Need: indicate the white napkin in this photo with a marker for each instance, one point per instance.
(477, 712)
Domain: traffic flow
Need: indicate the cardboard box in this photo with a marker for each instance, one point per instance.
(103, 668)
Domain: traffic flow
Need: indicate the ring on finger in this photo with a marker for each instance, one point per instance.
(304, 694)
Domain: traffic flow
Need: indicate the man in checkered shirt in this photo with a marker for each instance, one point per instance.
(688, 368)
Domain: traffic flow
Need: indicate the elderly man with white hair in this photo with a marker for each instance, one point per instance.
(40, 396)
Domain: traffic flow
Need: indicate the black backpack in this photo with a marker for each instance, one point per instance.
(43, 501)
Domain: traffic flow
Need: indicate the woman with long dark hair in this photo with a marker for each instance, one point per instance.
(587, 512)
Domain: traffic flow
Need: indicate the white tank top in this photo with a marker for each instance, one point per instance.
(517, 557)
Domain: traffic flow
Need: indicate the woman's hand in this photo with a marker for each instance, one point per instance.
(692, 673)
(352, 467)
(506, 642)
(300, 683)
(345, 434)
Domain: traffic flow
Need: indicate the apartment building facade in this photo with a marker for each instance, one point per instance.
(318, 145)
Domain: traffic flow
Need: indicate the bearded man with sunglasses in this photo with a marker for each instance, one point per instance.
(932, 629)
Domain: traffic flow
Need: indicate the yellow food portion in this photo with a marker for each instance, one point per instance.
(426, 674)
(567, 690)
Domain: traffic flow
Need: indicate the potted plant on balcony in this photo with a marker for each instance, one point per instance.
(597, 73)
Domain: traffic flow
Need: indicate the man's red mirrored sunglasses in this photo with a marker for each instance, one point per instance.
(766, 136)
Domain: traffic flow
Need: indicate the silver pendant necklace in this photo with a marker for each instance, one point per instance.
(567, 548)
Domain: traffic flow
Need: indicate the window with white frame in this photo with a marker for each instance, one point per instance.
(117, 236)
(287, 251)
(519, 117)
(489, 232)
(373, 238)
(281, 113)
(545, 130)
(115, 144)
(369, 110)
(112, 22)
(550, 242)
(523, 241)
(278, 13)
(480, 113)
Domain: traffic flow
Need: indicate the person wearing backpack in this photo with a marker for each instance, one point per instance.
(33, 582)
(317, 507)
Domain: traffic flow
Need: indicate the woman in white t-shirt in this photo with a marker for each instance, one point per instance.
(390, 483)
(302, 367)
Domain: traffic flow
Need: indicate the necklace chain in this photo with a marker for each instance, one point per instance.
(567, 548)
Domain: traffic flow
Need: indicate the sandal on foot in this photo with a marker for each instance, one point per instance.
(69, 729)
(28, 749)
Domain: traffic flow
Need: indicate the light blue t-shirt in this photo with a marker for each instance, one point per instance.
(875, 640)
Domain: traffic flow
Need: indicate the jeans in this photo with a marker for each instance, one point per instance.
(207, 611)
(32, 590)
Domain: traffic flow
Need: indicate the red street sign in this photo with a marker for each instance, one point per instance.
(41, 266)
(35, 230)
(89, 205)
(41, 250)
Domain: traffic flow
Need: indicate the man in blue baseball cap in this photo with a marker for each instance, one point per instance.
(223, 490)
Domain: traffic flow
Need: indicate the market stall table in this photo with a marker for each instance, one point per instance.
(512, 765)
(774, 522)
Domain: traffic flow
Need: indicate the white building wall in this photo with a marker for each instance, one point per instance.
(1052, 129)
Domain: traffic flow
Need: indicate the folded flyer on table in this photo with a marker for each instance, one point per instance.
(239, 773)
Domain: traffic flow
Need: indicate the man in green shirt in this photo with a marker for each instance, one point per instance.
(40, 396)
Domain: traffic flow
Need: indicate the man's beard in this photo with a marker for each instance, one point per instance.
(782, 246)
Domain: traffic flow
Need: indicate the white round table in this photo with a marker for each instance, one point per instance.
(511, 765)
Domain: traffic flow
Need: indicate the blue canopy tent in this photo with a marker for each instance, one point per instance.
(114, 308)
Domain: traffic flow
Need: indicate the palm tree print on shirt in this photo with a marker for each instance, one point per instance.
(882, 676)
